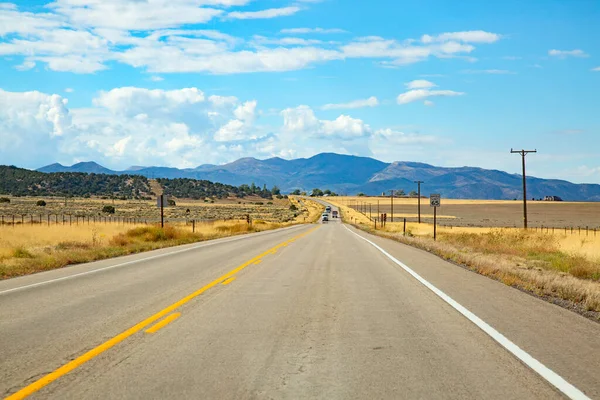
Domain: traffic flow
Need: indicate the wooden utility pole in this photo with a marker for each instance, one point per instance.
(419, 197)
(523, 153)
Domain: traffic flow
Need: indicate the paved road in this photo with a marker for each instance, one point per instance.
(308, 312)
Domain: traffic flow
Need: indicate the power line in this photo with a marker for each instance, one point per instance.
(523, 153)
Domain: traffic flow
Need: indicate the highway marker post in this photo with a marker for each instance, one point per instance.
(435, 202)
(160, 202)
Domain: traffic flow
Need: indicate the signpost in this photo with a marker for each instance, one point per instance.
(435, 201)
(160, 202)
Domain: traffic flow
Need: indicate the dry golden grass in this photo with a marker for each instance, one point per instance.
(25, 249)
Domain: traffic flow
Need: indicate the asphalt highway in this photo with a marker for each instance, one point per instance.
(318, 311)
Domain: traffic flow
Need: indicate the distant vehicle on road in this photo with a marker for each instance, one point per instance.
(334, 214)
(328, 209)
(325, 217)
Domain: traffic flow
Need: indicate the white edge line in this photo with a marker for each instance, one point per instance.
(552, 377)
(139, 260)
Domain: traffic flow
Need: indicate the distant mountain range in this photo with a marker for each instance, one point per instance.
(351, 175)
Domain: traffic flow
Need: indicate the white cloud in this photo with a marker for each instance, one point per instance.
(466, 36)
(421, 94)
(370, 102)
(597, 69)
(295, 31)
(156, 78)
(567, 53)
(420, 84)
(489, 71)
(398, 137)
(263, 14)
(345, 127)
(27, 65)
(231, 131)
(31, 123)
(302, 120)
(83, 37)
(69, 90)
(135, 15)
(429, 103)
(287, 41)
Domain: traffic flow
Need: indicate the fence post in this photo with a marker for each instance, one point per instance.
(48, 219)
(193, 226)
(586, 231)
(404, 227)
(13, 220)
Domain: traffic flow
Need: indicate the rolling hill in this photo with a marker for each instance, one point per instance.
(351, 175)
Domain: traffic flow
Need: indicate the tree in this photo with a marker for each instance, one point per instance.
(108, 209)
(327, 192)
(171, 202)
(41, 203)
(361, 194)
(413, 193)
(296, 192)
(275, 190)
(316, 192)
(400, 192)
(293, 207)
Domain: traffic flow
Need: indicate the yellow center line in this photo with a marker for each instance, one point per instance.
(228, 281)
(257, 262)
(159, 325)
(71, 365)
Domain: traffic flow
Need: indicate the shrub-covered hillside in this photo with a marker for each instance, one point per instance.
(23, 182)
(199, 189)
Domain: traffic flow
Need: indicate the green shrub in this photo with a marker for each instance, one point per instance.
(171, 203)
(293, 207)
(4, 200)
(108, 209)
(41, 203)
(20, 252)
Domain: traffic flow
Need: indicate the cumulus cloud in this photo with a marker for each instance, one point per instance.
(420, 84)
(421, 94)
(302, 120)
(31, 123)
(567, 53)
(370, 102)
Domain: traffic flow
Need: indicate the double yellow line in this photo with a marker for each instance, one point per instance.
(70, 366)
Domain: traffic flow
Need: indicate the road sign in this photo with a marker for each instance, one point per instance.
(435, 200)
(162, 200)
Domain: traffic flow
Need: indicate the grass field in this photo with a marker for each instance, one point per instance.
(28, 248)
(483, 213)
(276, 210)
(559, 266)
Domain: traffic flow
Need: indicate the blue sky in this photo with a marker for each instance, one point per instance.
(188, 82)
